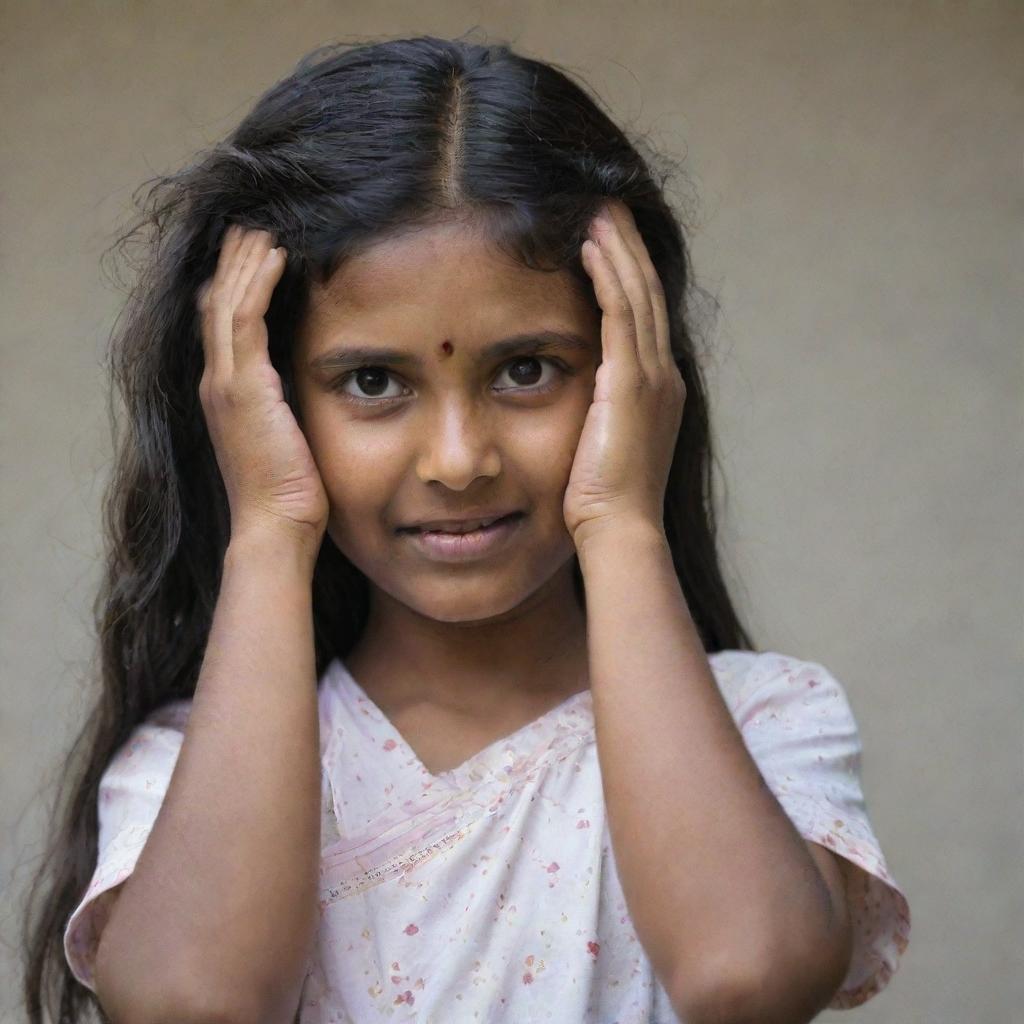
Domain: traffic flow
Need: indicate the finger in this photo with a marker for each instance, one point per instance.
(216, 340)
(608, 235)
(250, 341)
(618, 330)
(236, 242)
(206, 327)
(230, 241)
(213, 287)
(250, 256)
(655, 288)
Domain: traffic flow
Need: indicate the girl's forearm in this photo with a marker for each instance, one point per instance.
(219, 916)
(718, 881)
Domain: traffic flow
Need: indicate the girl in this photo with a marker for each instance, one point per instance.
(424, 698)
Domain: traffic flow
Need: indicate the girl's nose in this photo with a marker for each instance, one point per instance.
(457, 446)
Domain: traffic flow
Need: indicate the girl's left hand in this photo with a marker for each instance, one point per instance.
(622, 461)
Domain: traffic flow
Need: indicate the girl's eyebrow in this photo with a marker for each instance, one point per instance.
(519, 344)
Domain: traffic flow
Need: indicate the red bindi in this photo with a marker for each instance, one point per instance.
(446, 347)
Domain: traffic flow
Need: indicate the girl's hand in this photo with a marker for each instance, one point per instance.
(264, 459)
(622, 461)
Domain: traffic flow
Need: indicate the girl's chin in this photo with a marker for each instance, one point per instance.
(464, 601)
(459, 610)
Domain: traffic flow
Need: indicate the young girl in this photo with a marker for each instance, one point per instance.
(424, 698)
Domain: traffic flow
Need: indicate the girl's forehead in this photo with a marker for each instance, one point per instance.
(439, 263)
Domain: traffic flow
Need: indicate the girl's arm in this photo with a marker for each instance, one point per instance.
(218, 918)
(727, 900)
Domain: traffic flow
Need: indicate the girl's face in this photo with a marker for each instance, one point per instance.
(445, 424)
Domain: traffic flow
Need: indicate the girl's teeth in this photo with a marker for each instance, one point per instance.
(469, 529)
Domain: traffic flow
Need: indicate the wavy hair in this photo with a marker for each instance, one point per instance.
(358, 143)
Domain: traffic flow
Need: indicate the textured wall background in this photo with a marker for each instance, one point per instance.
(858, 173)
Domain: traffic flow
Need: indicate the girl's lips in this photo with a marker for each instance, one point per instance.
(458, 547)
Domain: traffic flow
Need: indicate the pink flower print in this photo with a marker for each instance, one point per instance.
(389, 744)
(527, 978)
(411, 929)
(594, 948)
(583, 823)
(552, 867)
(405, 997)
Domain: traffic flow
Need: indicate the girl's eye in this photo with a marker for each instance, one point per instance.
(373, 378)
(521, 370)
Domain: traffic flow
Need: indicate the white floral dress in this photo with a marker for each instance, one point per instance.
(489, 893)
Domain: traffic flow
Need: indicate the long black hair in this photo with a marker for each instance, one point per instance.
(360, 141)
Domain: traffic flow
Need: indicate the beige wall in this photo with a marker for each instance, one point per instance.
(859, 177)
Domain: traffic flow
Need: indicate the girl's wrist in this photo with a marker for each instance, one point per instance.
(613, 537)
(281, 549)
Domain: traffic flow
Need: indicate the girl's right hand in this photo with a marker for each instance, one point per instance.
(271, 479)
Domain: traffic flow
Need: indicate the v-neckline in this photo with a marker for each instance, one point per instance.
(485, 757)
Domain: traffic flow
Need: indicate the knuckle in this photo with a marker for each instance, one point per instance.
(220, 389)
(204, 296)
(232, 392)
(241, 317)
(667, 386)
(248, 307)
(211, 297)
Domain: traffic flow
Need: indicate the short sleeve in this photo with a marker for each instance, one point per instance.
(131, 791)
(798, 726)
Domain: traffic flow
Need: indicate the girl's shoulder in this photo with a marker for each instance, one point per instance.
(736, 667)
(759, 681)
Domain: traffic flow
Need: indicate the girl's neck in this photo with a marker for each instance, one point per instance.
(538, 648)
